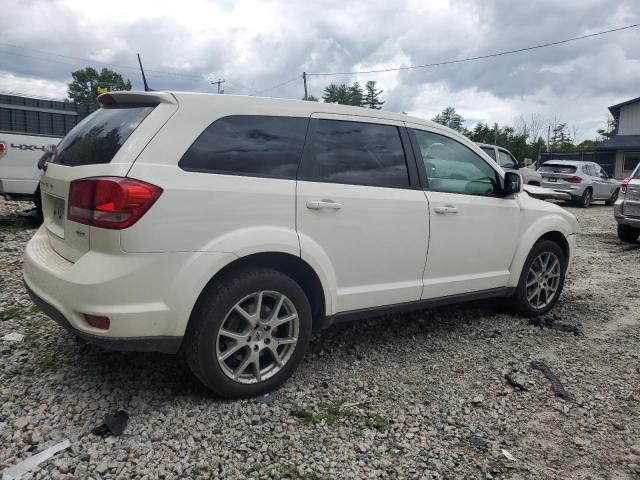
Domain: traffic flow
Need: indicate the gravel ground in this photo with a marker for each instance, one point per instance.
(411, 396)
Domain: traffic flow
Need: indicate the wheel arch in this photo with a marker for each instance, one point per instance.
(548, 229)
(286, 263)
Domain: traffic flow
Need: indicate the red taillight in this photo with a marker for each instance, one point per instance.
(3, 149)
(97, 321)
(110, 202)
(623, 185)
(574, 179)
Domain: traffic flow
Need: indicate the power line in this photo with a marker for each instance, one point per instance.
(508, 52)
(277, 86)
(87, 60)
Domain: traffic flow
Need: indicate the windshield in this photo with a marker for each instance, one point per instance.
(98, 137)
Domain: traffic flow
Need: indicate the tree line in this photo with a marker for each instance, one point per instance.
(526, 139)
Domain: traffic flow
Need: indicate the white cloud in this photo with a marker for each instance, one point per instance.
(258, 44)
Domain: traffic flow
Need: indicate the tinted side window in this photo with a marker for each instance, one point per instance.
(253, 145)
(452, 167)
(355, 153)
(505, 160)
(490, 151)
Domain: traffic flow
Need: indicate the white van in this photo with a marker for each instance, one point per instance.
(232, 227)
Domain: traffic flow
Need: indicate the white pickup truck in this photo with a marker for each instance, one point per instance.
(19, 155)
(27, 126)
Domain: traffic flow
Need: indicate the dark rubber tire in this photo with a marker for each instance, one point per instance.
(208, 316)
(612, 199)
(519, 299)
(586, 199)
(628, 234)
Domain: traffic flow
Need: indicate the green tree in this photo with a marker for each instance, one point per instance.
(344, 94)
(84, 87)
(310, 98)
(450, 118)
(372, 96)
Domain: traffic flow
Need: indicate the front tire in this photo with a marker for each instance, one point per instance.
(248, 333)
(628, 234)
(612, 199)
(541, 280)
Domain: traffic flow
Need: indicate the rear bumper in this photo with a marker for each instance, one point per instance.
(148, 297)
(138, 344)
(575, 191)
(621, 218)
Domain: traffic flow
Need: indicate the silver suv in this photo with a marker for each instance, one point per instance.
(626, 210)
(584, 181)
(508, 162)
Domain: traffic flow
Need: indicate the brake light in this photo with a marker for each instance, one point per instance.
(3, 149)
(110, 202)
(624, 184)
(574, 179)
(97, 321)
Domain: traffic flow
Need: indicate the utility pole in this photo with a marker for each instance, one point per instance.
(219, 82)
(304, 79)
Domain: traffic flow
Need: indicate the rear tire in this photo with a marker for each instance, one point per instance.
(536, 276)
(585, 200)
(628, 234)
(612, 199)
(236, 345)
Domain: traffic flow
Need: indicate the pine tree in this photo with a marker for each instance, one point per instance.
(372, 96)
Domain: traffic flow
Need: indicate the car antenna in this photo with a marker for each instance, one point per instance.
(144, 79)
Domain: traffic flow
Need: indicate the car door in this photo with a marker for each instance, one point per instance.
(605, 183)
(360, 215)
(473, 229)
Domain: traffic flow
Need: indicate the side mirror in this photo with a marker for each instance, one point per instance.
(512, 183)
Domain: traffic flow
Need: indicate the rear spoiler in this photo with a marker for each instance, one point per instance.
(137, 98)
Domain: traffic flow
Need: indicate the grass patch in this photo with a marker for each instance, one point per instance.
(328, 413)
(282, 471)
(379, 422)
(17, 313)
(30, 333)
(45, 362)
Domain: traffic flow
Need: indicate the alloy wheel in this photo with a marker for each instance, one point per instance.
(543, 280)
(586, 198)
(257, 337)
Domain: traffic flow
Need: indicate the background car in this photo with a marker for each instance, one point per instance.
(584, 181)
(626, 210)
(508, 162)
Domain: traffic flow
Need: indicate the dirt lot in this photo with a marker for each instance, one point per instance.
(422, 395)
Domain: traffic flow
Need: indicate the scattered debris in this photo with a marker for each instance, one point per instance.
(267, 398)
(480, 442)
(550, 322)
(18, 470)
(618, 426)
(477, 400)
(515, 381)
(558, 388)
(508, 455)
(114, 424)
(13, 337)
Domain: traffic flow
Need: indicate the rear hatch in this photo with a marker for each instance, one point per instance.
(103, 144)
(558, 174)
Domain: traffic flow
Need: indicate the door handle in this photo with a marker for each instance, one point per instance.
(446, 209)
(323, 205)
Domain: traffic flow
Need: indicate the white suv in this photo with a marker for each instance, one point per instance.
(233, 227)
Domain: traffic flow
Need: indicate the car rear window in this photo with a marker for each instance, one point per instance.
(557, 168)
(98, 137)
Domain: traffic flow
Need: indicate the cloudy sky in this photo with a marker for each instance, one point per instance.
(258, 45)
